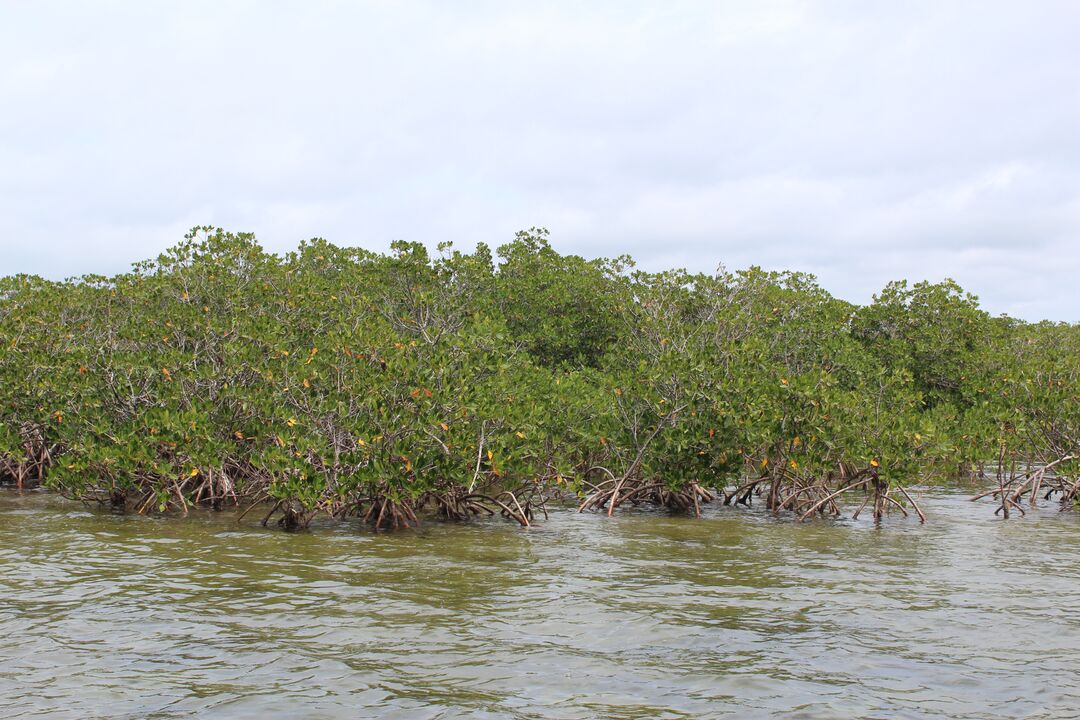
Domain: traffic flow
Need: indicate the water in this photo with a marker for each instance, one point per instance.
(637, 616)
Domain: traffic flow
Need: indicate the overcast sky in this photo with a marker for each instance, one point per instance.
(860, 141)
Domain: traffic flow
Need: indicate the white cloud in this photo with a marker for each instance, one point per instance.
(862, 142)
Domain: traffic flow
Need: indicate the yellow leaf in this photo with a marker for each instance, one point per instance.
(520, 434)
(444, 426)
(306, 383)
(490, 456)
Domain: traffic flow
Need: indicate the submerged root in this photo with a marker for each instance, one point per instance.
(745, 493)
(18, 473)
(294, 516)
(519, 504)
(1070, 496)
(1041, 482)
(456, 504)
(827, 503)
(510, 506)
(526, 500)
(383, 512)
(146, 493)
(685, 499)
(613, 492)
(27, 469)
(820, 495)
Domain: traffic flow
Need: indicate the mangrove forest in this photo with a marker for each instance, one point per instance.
(390, 387)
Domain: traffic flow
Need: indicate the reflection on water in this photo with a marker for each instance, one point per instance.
(637, 616)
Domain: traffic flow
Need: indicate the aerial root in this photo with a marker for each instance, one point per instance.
(519, 504)
(386, 513)
(28, 469)
(743, 494)
(612, 493)
(821, 504)
(457, 505)
(1041, 482)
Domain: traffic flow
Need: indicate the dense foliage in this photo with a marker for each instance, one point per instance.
(341, 381)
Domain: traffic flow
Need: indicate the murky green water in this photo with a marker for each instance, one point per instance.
(637, 616)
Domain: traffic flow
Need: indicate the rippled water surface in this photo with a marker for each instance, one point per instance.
(637, 616)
